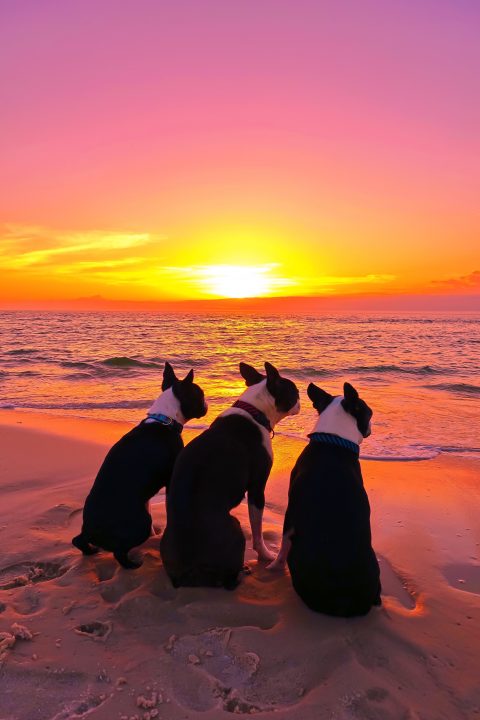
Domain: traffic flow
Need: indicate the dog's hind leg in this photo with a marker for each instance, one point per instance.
(121, 556)
(80, 542)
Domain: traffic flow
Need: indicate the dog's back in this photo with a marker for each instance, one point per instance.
(331, 561)
(116, 515)
(133, 471)
(203, 544)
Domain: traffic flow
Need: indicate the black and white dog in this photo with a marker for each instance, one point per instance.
(326, 533)
(116, 514)
(203, 545)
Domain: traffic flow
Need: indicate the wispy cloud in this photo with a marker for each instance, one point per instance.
(31, 246)
(470, 282)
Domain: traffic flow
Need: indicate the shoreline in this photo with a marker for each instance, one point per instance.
(74, 422)
(103, 642)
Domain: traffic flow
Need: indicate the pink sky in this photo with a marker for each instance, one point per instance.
(348, 130)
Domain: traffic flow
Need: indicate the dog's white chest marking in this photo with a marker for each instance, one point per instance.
(258, 396)
(336, 421)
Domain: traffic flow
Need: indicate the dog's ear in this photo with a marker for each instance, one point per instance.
(273, 376)
(250, 375)
(350, 398)
(188, 379)
(349, 393)
(169, 377)
(320, 398)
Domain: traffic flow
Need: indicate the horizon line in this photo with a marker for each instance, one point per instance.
(364, 301)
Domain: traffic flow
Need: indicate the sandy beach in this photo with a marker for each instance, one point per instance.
(84, 637)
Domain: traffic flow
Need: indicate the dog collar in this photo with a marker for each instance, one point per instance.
(165, 420)
(256, 414)
(331, 439)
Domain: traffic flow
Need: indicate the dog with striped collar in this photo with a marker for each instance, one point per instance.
(203, 543)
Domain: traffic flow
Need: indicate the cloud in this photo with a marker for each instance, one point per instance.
(329, 284)
(465, 283)
(30, 247)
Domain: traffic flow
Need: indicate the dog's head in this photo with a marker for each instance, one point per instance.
(190, 396)
(351, 403)
(283, 391)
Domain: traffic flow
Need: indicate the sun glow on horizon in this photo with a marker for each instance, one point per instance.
(240, 281)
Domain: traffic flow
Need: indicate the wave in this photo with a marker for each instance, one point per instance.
(306, 372)
(183, 360)
(420, 370)
(400, 458)
(126, 362)
(459, 450)
(119, 404)
(457, 388)
(22, 351)
(78, 365)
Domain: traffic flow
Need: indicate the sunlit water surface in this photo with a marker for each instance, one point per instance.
(419, 373)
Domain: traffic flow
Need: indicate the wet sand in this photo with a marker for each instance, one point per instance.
(83, 637)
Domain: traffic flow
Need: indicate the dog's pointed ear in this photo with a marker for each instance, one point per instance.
(320, 398)
(188, 379)
(250, 375)
(273, 376)
(169, 377)
(272, 372)
(349, 393)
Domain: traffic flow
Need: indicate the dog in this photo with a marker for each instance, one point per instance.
(326, 534)
(116, 514)
(203, 545)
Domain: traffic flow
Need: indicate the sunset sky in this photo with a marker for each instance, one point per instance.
(155, 150)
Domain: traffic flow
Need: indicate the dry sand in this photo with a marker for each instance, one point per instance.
(83, 637)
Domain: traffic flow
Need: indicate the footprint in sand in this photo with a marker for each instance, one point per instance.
(212, 672)
(375, 703)
(105, 568)
(118, 585)
(28, 573)
(60, 515)
(95, 630)
(80, 708)
(28, 601)
(234, 615)
(463, 576)
(394, 585)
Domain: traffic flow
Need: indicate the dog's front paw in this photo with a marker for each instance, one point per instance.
(278, 565)
(264, 553)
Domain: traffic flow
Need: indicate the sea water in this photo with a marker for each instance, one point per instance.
(420, 373)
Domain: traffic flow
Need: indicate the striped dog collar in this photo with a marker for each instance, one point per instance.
(165, 420)
(256, 414)
(331, 439)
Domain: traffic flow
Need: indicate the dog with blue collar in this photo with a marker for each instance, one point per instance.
(326, 534)
(116, 515)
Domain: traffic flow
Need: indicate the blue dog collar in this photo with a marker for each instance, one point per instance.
(165, 420)
(331, 439)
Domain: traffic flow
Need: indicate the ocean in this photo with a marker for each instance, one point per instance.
(420, 373)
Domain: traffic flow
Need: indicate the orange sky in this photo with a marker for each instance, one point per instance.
(155, 153)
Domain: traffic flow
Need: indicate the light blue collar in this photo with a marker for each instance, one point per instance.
(165, 420)
(331, 439)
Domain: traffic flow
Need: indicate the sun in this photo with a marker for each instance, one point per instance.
(238, 281)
